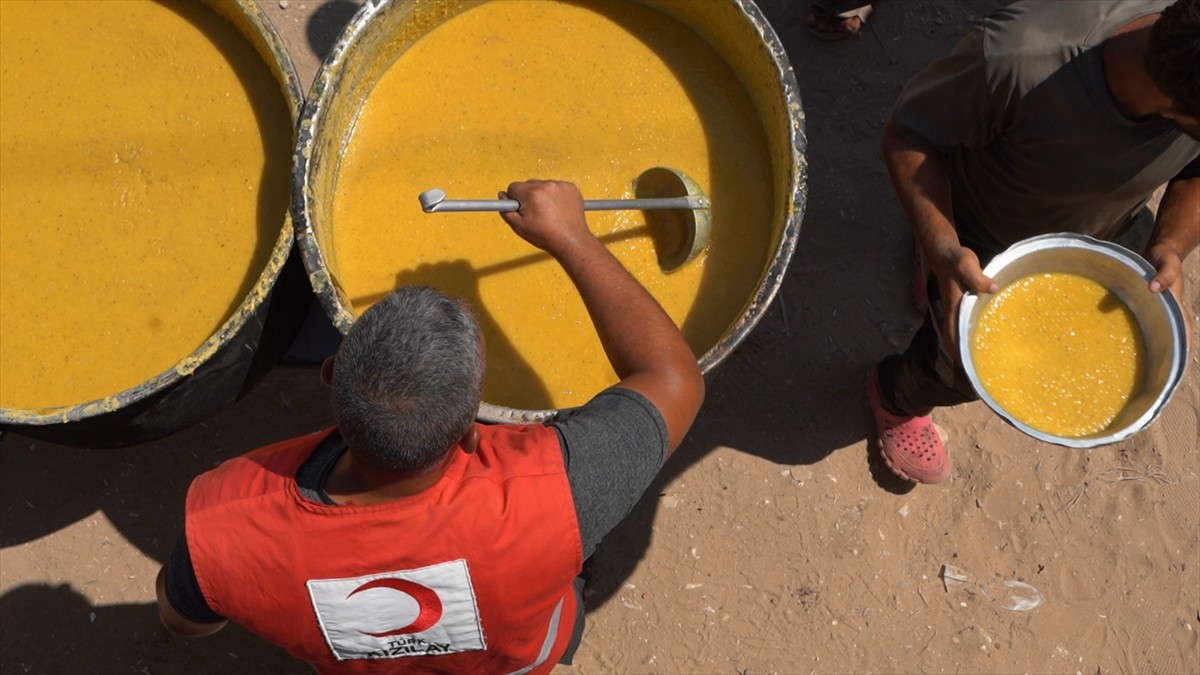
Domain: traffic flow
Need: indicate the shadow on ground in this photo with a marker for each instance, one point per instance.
(61, 632)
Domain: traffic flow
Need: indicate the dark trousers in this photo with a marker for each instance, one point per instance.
(926, 375)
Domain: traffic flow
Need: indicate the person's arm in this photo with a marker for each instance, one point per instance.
(642, 343)
(173, 620)
(953, 102)
(922, 184)
(181, 604)
(1176, 234)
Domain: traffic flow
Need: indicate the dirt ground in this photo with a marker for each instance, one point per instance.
(771, 542)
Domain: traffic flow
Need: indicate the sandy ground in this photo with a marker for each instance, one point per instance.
(771, 542)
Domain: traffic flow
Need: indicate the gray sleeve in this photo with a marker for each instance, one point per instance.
(951, 102)
(614, 446)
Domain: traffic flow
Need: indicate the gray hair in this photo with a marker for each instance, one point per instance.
(407, 380)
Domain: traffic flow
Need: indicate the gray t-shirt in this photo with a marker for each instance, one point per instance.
(614, 446)
(1034, 140)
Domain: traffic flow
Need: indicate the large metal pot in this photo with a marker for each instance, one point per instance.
(383, 30)
(238, 354)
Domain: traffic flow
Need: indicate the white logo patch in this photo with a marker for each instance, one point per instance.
(422, 612)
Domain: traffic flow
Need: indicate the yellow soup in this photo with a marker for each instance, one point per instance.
(144, 182)
(1060, 352)
(595, 93)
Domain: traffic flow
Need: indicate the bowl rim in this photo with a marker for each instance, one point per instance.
(1136, 263)
(283, 68)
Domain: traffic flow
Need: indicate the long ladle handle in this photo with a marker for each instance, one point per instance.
(434, 201)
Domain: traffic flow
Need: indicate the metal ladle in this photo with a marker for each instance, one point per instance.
(678, 215)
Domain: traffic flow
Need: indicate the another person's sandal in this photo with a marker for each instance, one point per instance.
(837, 19)
(910, 446)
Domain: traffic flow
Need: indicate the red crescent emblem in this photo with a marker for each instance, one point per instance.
(426, 598)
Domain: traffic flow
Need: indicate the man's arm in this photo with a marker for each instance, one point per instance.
(173, 620)
(642, 343)
(922, 184)
(1176, 234)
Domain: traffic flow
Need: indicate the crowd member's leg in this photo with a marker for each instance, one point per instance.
(927, 375)
(904, 388)
(837, 19)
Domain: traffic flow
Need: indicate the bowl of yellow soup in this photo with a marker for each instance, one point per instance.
(1073, 349)
(145, 232)
(471, 96)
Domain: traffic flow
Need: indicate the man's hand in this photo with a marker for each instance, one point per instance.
(551, 215)
(1169, 264)
(643, 344)
(957, 271)
(1176, 234)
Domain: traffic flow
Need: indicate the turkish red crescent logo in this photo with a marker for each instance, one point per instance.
(427, 599)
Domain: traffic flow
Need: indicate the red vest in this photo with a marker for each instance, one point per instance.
(473, 574)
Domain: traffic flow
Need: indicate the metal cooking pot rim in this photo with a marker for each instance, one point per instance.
(973, 302)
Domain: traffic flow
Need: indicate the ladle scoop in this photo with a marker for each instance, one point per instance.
(679, 222)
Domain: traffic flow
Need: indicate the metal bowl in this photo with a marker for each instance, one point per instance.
(1125, 274)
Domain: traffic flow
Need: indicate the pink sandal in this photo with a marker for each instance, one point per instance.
(910, 446)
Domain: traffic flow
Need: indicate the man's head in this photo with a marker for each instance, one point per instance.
(407, 380)
(1173, 56)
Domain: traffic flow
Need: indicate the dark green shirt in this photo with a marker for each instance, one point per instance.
(1033, 138)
